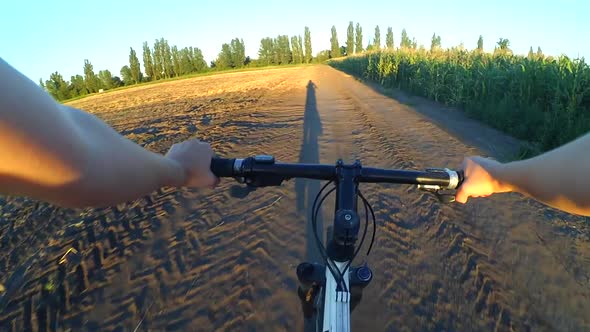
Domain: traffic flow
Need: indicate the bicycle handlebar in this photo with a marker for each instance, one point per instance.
(265, 171)
(260, 171)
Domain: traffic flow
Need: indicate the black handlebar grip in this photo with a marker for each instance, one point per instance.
(222, 168)
(461, 175)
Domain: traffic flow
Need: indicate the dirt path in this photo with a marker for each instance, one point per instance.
(204, 260)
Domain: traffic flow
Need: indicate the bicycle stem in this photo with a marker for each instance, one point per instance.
(346, 219)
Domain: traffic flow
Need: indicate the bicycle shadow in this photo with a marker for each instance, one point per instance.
(306, 189)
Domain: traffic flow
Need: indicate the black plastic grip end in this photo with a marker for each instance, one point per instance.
(461, 175)
(222, 168)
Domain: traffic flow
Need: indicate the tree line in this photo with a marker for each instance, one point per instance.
(159, 62)
(354, 43)
(163, 61)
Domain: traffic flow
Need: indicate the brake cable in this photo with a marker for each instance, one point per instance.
(315, 211)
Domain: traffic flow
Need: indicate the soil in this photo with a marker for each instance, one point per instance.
(204, 260)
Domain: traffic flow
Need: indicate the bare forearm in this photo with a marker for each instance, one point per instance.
(68, 157)
(104, 168)
(118, 169)
(558, 178)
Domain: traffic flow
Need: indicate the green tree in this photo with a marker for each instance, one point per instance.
(335, 47)
(266, 51)
(232, 55)
(117, 81)
(358, 44)
(78, 86)
(389, 38)
(322, 56)
(63, 92)
(158, 65)
(377, 39)
(540, 53)
(186, 62)
(276, 55)
(238, 53)
(308, 52)
(176, 61)
(92, 82)
(406, 42)
(435, 43)
(106, 78)
(480, 44)
(295, 46)
(284, 54)
(300, 48)
(57, 87)
(134, 66)
(198, 61)
(166, 54)
(503, 43)
(531, 54)
(224, 59)
(350, 39)
(41, 84)
(503, 46)
(127, 75)
(148, 62)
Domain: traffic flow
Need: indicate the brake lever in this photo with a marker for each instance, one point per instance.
(238, 191)
(445, 196)
(257, 182)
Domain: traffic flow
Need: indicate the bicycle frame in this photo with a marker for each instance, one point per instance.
(336, 303)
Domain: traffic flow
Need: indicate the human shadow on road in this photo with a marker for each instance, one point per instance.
(307, 189)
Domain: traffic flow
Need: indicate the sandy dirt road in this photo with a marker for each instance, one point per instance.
(204, 260)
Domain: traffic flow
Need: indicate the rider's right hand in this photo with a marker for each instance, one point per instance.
(481, 179)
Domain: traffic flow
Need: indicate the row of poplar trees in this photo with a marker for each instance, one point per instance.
(159, 62)
(354, 41)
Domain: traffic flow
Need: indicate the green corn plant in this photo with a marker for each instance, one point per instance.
(540, 99)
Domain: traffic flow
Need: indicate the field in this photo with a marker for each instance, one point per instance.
(204, 260)
(541, 99)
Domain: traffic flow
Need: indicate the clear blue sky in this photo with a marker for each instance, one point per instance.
(40, 37)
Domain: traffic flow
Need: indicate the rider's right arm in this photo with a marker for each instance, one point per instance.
(71, 158)
(559, 178)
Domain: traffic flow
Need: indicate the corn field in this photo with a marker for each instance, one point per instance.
(542, 100)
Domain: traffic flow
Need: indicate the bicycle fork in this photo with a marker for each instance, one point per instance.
(312, 282)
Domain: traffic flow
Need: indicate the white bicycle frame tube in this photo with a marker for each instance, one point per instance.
(336, 304)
